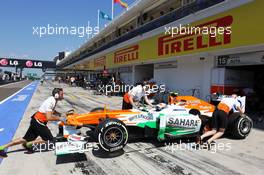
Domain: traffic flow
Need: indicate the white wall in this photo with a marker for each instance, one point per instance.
(218, 76)
(191, 73)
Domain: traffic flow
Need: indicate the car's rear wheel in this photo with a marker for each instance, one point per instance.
(241, 127)
(112, 135)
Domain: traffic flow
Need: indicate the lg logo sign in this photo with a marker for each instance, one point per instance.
(14, 63)
(33, 64)
(5, 62)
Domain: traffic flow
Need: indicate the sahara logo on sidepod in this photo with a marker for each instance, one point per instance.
(185, 123)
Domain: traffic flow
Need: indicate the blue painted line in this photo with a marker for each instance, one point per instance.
(12, 111)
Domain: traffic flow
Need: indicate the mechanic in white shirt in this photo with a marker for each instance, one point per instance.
(38, 124)
(135, 95)
(220, 118)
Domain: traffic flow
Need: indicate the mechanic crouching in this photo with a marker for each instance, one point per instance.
(38, 124)
(220, 119)
(135, 95)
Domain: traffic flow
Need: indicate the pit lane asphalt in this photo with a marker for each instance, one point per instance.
(9, 89)
(139, 157)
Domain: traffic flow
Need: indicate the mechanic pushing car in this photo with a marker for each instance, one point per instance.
(38, 124)
(135, 94)
(220, 118)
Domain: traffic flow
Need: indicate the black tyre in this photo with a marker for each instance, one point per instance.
(206, 122)
(241, 127)
(97, 109)
(203, 118)
(112, 135)
(195, 112)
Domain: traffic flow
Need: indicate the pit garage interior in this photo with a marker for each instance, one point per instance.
(143, 72)
(244, 75)
(252, 79)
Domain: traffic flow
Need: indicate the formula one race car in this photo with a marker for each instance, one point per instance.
(190, 116)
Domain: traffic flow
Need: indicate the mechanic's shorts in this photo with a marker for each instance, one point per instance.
(219, 119)
(126, 105)
(36, 129)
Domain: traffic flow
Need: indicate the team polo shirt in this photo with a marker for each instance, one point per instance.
(47, 106)
(227, 104)
(137, 93)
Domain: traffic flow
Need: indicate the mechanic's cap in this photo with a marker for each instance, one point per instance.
(174, 94)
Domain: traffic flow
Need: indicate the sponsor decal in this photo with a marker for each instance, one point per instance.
(181, 122)
(29, 63)
(188, 42)
(132, 118)
(147, 117)
(112, 123)
(116, 148)
(100, 62)
(126, 55)
(26, 63)
(3, 62)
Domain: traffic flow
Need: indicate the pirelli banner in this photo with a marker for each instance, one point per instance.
(241, 26)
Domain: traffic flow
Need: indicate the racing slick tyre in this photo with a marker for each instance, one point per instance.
(195, 112)
(97, 109)
(112, 135)
(240, 127)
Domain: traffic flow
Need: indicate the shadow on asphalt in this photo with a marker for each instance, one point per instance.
(258, 120)
(71, 158)
(259, 126)
(15, 151)
(100, 153)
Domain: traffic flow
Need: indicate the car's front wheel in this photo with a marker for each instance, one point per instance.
(112, 135)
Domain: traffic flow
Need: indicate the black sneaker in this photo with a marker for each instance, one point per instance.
(29, 149)
(199, 140)
(3, 154)
(208, 145)
(197, 146)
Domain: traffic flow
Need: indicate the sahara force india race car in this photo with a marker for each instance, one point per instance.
(190, 117)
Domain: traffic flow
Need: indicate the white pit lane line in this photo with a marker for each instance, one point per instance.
(16, 93)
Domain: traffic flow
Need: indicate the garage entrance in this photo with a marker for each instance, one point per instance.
(244, 74)
(253, 89)
(142, 72)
